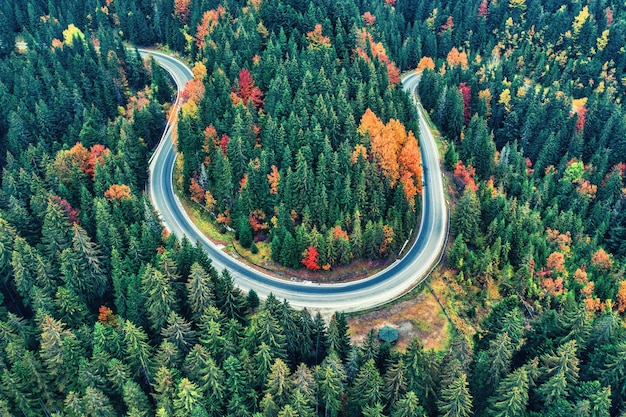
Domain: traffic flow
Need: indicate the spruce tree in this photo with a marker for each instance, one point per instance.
(456, 400)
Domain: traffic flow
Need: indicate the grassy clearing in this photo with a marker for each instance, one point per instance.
(417, 315)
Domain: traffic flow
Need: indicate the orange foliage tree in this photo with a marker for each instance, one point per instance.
(425, 63)
(556, 262)
(395, 151)
(369, 19)
(379, 52)
(181, 9)
(194, 90)
(455, 58)
(106, 316)
(77, 156)
(552, 286)
(257, 220)
(601, 259)
(118, 192)
(273, 178)
(316, 39)
(621, 297)
(207, 23)
(196, 191)
(388, 236)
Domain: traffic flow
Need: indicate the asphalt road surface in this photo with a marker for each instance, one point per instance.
(378, 289)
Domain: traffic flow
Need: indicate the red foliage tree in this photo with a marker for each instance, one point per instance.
(97, 153)
(483, 10)
(224, 143)
(310, 259)
(449, 25)
(582, 118)
(465, 176)
(391, 3)
(70, 212)
(246, 90)
(609, 16)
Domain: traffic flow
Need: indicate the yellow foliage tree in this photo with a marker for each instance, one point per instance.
(72, 32)
(505, 98)
(199, 71)
(580, 20)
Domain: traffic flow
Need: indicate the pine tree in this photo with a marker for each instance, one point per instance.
(407, 406)
(466, 216)
(396, 381)
(303, 383)
(500, 354)
(229, 298)
(561, 368)
(376, 410)
(278, 383)
(200, 291)
(330, 377)
(456, 400)
(159, 295)
(265, 329)
(367, 389)
(338, 339)
(135, 399)
(96, 403)
(511, 397)
(211, 382)
(188, 397)
(137, 350)
(88, 254)
(178, 331)
(54, 352)
(55, 234)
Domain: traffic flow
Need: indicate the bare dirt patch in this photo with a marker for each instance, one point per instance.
(420, 317)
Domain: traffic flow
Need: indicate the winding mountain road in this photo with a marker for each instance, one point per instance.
(378, 289)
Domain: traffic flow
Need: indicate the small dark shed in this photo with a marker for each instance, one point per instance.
(388, 334)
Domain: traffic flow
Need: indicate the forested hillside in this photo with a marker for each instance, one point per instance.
(104, 314)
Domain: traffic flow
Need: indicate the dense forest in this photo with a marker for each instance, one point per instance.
(298, 136)
(105, 314)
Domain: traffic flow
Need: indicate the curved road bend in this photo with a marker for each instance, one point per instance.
(376, 290)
